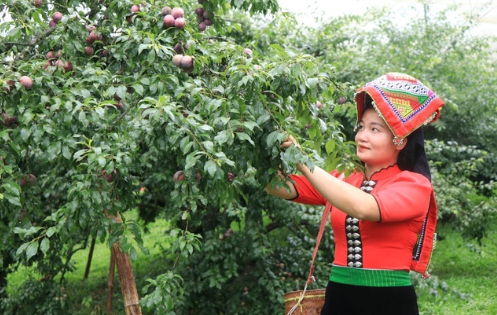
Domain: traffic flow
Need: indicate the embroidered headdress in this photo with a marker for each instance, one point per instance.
(402, 101)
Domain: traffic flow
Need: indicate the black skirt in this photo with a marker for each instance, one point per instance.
(345, 299)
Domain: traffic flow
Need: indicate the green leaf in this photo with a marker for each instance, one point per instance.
(37, 17)
(222, 136)
(208, 146)
(102, 161)
(13, 32)
(51, 230)
(81, 154)
(11, 187)
(250, 125)
(25, 133)
(121, 91)
(272, 138)
(312, 82)
(210, 167)
(133, 254)
(13, 199)
(151, 56)
(66, 153)
(32, 249)
(54, 150)
(205, 127)
(28, 117)
(45, 245)
(330, 146)
(185, 144)
(100, 111)
(262, 119)
(82, 118)
(191, 160)
(244, 136)
(22, 248)
(142, 47)
(138, 89)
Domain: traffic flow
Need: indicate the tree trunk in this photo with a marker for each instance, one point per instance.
(126, 278)
(127, 281)
(90, 256)
(110, 282)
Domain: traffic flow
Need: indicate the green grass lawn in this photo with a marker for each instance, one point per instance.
(464, 277)
(466, 274)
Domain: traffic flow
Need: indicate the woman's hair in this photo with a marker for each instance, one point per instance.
(413, 156)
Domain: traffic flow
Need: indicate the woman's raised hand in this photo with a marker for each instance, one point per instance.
(288, 141)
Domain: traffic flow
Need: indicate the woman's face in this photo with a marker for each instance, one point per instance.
(374, 140)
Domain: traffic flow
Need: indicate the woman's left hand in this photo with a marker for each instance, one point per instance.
(288, 141)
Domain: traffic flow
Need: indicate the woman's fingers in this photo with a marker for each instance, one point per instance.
(286, 143)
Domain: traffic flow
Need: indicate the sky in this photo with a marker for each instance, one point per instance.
(487, 9)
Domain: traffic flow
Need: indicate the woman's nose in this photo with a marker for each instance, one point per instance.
(361, 136)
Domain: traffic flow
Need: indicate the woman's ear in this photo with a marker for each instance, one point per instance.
(399, 147)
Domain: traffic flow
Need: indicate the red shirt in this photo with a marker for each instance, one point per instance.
(403, 198)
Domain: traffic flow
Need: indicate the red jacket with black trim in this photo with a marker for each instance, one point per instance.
(403, 198)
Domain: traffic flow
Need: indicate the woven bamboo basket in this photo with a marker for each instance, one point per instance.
(311, 304)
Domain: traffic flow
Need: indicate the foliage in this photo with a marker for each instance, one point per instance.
(468, 205)
(105, 135)
(36, 297)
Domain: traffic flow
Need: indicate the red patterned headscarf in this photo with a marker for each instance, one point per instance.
(402, 101)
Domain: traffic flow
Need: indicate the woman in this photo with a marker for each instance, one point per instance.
(384, 217)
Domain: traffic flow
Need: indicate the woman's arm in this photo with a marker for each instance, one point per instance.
(282, 192)
(342, 195)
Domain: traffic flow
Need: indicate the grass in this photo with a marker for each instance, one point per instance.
(90, 296)
(464, 276)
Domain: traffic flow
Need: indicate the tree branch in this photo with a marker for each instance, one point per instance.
(19, 44)
(35, 40)
(272, 226)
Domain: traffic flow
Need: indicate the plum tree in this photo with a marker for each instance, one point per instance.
(185, 100)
